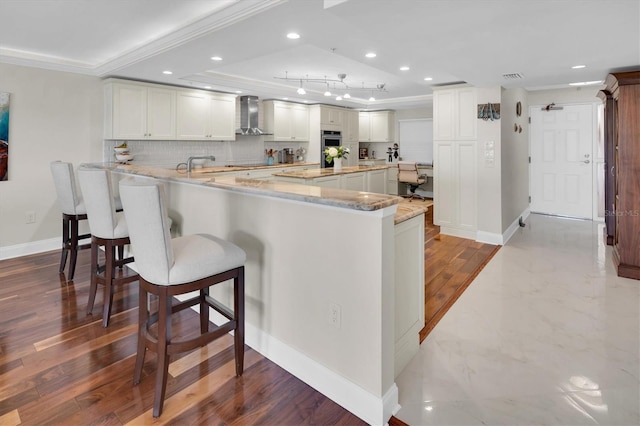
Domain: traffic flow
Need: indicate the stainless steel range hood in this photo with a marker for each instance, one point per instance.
(249, 117)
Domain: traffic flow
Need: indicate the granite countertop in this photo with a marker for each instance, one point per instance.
(316, 173)
(407, 211)
(245, 167)
(364, 201)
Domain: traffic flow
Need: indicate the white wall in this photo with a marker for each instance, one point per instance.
(558, 96)
(488, 185)
(54, 116)
(515, 156)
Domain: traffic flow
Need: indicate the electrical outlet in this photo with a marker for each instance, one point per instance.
(335, 314)
(30, 216)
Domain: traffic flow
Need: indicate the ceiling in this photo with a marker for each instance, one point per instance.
(475, 41)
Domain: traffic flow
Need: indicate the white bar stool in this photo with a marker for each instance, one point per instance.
(108, 230)
(171, 267)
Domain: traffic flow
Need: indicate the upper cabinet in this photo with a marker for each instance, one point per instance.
(136, 111)
(206, 116)
(331, 116)
(376, 126)
(286, 121)
(454, 114)
(139, 111)
(351, 126)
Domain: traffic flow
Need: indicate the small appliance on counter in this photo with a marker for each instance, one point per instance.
(286, 156)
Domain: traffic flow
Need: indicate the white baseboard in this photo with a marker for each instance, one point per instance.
(506, 236)
(24, 249)
(489, 238)
(460, 233)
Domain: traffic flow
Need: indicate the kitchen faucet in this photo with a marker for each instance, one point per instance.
(198, 157)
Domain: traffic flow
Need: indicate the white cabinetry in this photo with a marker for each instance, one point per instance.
(455, 161)
(454, 187)
(286, 121)
(377, 181)
(454, 114)
(376, 126)
(331, 116)
(135, 111)
(392, 181)
(350, 132)
(205, 116)
(355, 182)
(408, 290)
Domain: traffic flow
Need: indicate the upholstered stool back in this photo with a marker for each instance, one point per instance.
(69, 198)
(99, 202)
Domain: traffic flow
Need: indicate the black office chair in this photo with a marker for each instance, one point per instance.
(408, 174)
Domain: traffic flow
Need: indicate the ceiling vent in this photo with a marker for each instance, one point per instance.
(512, 76)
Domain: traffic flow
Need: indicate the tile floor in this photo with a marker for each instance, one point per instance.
(547, 334)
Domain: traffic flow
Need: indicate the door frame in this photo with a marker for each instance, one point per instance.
(597, 162)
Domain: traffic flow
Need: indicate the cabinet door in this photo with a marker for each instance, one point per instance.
(161, 114)
(364, 127)
(354, 181)
(327, 182)
(444, 184)
(129, 111)
(466, 113)
(351, 126)
(300, 123)
(281, 122)
(193, 115)
(377, 181)
(466, 185)
(379, 127)
(443, 114)
(222, 118)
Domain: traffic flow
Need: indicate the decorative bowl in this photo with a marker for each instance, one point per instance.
(124, 157)
(197, 163)
(120, 150)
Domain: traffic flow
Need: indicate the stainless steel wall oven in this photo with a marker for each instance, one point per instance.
(329, 138)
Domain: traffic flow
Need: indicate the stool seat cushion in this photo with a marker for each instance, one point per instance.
(199, 256)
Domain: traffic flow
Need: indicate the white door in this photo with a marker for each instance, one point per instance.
(561, 161)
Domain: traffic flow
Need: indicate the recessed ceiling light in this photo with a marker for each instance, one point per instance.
(207, 87)
(238, 91)
(577, 67)
(293, 36)
(285, 99)
(404, 68)
(585, 83)
(370, 55)
(216, 58)
(428, 78)
(167, 72)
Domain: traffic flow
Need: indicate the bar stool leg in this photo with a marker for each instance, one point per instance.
(73, 248)
(238, 315)
(65, 243)
(94, 279)
(109, 270)
(143, 325)
(164, 339)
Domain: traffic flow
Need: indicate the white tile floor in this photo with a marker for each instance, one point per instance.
(547, 334)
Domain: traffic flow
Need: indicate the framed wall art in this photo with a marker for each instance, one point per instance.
(4, 136)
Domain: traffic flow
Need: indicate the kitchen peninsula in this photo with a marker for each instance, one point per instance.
(334, 278)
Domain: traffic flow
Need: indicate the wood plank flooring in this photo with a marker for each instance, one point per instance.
(59, 366)
(450, 264)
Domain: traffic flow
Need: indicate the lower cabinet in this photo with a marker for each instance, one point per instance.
(327, 182)
(409, 290)
(454, 188)
(355, 182)
(377, 181)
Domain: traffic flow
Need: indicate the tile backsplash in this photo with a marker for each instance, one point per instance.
(244, 150)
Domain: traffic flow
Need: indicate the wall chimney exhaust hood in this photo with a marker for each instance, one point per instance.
(249, 117)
